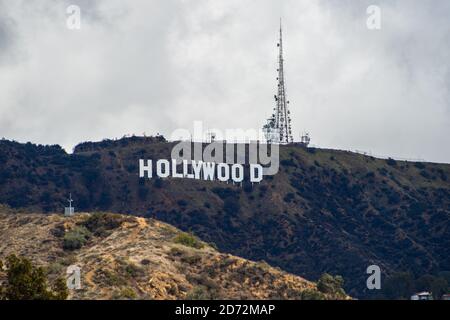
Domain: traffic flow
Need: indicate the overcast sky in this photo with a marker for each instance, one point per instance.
(156, 66)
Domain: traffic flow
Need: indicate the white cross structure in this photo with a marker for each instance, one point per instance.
(69, 211)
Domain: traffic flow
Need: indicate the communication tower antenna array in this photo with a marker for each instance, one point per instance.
(278, 128)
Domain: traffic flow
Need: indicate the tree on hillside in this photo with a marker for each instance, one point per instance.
(331, 285)
(399, 286)
(28, 282)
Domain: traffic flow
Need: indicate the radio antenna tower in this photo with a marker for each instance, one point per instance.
(278, 128)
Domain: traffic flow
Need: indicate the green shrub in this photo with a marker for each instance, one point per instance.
(310, 294)
(101, 224)
(125, 294)
(133, 271)
(331, 285)
(109, 278)
(27, 282)
(76, 238)
(188, 240)
(58, 231)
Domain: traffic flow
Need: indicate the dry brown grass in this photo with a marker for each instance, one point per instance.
(139, 260)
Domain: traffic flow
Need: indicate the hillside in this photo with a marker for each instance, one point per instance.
(135, 258)
(325, 211)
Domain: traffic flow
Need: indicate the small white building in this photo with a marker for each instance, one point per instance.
(422, 296)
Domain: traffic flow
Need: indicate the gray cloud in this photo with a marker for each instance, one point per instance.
(156, 66)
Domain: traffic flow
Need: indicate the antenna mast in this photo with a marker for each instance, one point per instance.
(278, 128)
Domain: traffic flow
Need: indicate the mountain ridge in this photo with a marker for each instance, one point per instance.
(135, 258)
(325, 211)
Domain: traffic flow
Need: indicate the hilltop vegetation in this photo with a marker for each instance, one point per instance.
(325, 211)
(24, 281)
(133, 258)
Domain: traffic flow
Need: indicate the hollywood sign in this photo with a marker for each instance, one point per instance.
(200, 170)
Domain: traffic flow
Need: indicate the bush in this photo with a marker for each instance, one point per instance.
(391, 162)
(27, 282)
(132, 271)
(76, 238)
(310, 294)
(398, 286)
(288, 163)
(188, 240)
(125, 294)
(198, 293)
(145, 262)
(109, 278)
(231, 205)
(131, 168)
(331, 285)
(176, 252)
(225, 193)
(100, 224)
(158, 183)
(247, 187)
(419, 165)
(289, 197)
(425, 174)
(58, 231)
(370, 175)
(192, 259)
(142, 192)
(182, 203)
